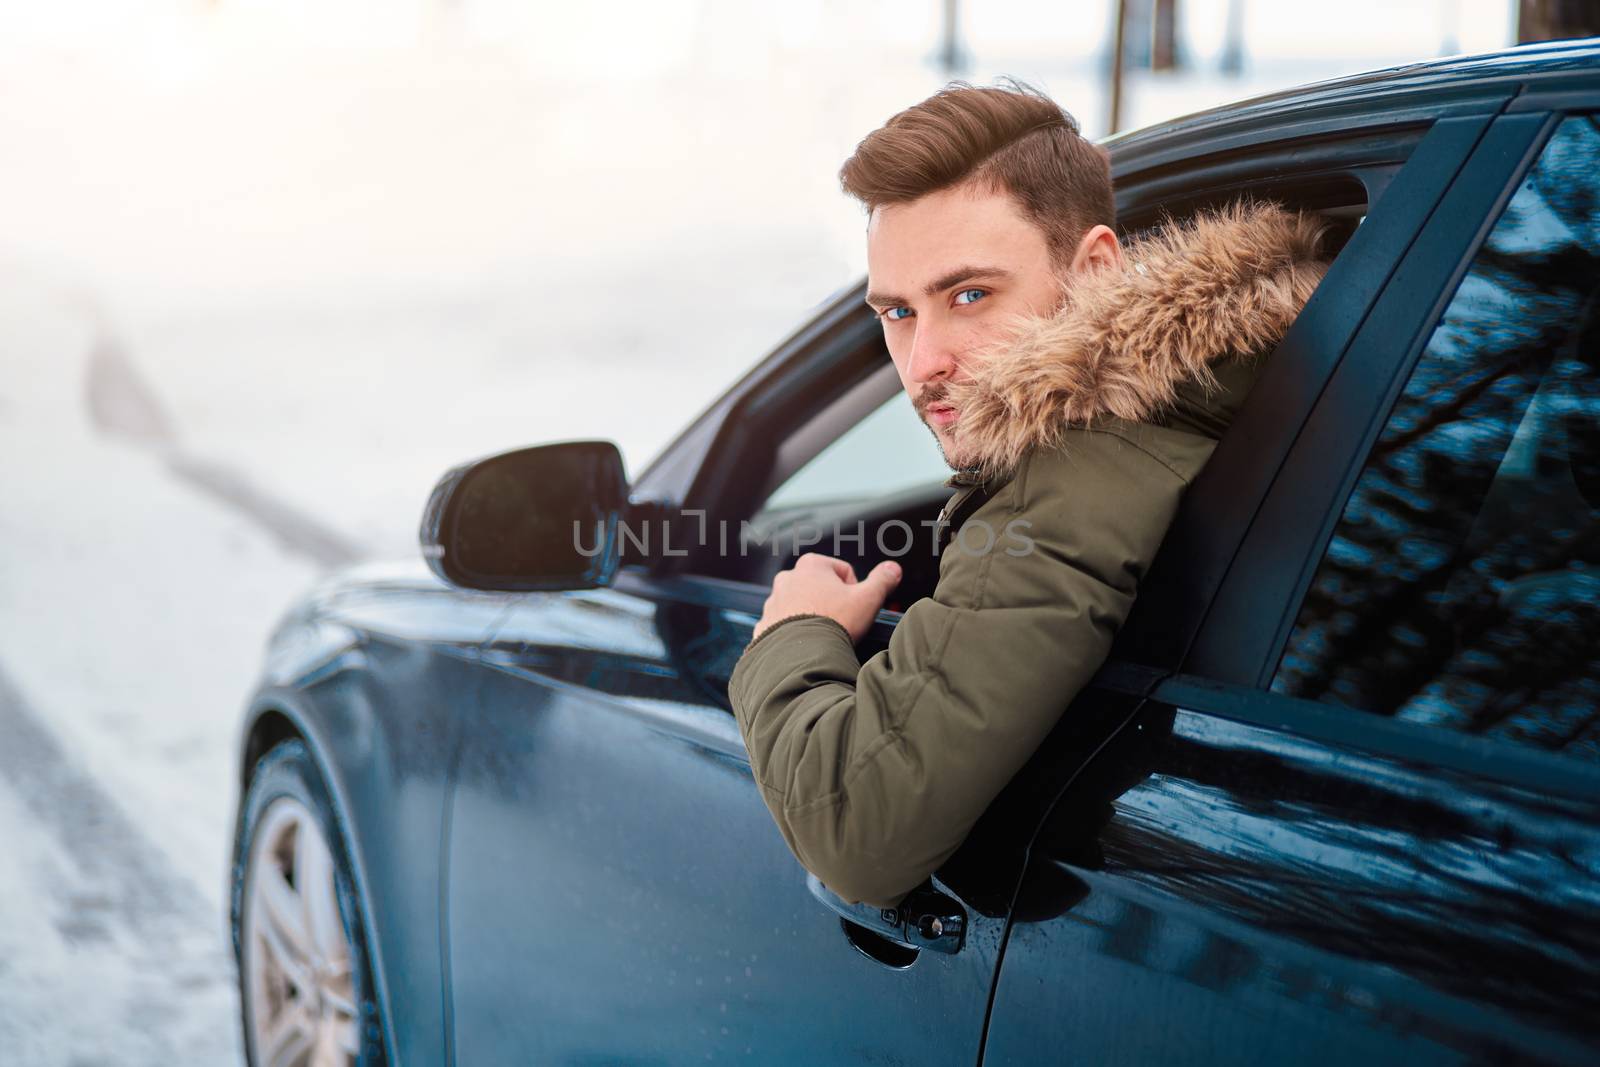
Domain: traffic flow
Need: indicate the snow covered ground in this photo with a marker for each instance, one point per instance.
(267, 269)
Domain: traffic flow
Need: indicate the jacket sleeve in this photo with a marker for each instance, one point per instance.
(875, 772)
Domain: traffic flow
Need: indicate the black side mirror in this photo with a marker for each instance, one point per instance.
(540, 518)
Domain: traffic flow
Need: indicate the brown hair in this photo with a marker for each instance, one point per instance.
(1013, 139)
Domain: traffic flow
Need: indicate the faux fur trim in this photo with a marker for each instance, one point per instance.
(1225, 282)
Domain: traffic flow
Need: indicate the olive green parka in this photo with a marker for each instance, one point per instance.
(1083, 431)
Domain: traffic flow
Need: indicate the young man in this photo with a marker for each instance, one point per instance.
(1076, 389)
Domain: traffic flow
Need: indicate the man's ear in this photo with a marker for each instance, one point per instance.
(1098, 249)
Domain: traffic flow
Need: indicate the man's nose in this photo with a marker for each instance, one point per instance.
(930, 355)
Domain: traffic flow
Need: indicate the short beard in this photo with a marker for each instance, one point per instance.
(939, 444)
(935, 394)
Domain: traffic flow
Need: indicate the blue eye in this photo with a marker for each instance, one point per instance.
(889, 313)
(965, 292)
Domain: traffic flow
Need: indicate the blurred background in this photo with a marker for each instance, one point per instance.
(268, 267)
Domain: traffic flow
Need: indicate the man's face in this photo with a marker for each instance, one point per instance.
(946, 274)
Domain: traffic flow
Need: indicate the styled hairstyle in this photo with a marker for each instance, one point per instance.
(1010, 139)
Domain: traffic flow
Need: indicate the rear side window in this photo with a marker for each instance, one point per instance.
(1462, 584)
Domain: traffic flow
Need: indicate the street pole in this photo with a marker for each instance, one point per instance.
(1233, 40)
(951, 57)
(1164, 52)
(1556, 20)
(1119, 27)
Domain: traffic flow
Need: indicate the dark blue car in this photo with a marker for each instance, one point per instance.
(1335, 798)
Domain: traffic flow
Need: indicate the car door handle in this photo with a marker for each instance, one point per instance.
(925, 919)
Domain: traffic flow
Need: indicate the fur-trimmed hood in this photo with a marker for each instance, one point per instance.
(1226, 282)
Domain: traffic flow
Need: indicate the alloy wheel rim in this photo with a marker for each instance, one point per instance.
(297, 958)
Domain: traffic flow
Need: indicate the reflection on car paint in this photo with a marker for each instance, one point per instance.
(1327, 891)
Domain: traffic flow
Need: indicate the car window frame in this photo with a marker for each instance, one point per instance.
(1407, 172)
(1243, 634)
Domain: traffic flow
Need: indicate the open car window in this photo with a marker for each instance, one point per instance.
(886, 453)
(862, 480)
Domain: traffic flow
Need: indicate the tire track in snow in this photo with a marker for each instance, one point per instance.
(121, 404)
(104, 843)
(292, 529)
(140, 940)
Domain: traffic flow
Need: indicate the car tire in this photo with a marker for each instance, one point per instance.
(305, 983)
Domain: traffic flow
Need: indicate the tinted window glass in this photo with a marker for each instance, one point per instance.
(1462, 584)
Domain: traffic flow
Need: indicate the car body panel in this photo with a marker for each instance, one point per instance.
(374, 670)
(608, 846)
(1260, 880)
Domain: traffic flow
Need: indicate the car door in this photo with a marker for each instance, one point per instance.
(618, 892)
(1364, 824)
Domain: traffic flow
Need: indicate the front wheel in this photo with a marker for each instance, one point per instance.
(305, 987)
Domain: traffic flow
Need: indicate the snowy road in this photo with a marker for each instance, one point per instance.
(105, 953)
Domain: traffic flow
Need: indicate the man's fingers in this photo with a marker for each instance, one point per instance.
(822, 585)
(837, 567)
(882, 579)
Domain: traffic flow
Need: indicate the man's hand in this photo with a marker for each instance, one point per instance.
(822, 585)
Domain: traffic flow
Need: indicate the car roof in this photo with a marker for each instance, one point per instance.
(1414, 93)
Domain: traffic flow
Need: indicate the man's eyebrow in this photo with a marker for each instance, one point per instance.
(940, 284)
